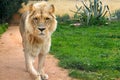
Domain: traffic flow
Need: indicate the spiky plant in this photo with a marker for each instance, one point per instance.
(95, 11)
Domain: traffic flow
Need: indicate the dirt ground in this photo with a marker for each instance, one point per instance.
(12, 60)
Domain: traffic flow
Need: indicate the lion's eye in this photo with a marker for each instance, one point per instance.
(36, 19)
(47, 18)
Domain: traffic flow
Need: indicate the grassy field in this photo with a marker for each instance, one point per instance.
(90, 53)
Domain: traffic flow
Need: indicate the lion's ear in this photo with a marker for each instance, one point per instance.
(31, 7)
(52, 8)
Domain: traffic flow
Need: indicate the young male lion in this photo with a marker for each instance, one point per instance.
(36, 27)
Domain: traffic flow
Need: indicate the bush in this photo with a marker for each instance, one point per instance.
(63, 18)
(117, 14)
(8, 8)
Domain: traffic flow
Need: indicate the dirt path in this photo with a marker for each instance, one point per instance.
(12, 60)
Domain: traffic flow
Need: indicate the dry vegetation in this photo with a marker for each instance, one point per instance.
(64, 6)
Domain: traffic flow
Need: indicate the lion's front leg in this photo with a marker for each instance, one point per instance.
(41, 60)
(30, 67)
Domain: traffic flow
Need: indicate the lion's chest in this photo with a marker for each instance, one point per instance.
(43, 48)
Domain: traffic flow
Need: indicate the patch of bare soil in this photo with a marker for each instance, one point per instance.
(12, 66)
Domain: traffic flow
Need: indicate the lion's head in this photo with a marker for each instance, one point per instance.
(41, 20)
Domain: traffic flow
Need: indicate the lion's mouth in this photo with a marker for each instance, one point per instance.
(42, 34)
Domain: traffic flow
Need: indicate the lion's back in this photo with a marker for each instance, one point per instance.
(22, 22)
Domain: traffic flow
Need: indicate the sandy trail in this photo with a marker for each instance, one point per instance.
(12, 60)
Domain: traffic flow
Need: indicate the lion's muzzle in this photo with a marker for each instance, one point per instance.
(41, 29)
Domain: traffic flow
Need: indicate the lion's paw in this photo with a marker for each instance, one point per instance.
(44, 76)
(38, 78)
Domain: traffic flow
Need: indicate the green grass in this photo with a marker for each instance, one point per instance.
(90, 53)
(3, 28)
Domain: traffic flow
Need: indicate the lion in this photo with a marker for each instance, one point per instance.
(36, 27)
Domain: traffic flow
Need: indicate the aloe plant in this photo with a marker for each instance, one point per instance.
(95, 10)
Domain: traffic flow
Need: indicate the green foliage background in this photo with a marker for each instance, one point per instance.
(8, 8)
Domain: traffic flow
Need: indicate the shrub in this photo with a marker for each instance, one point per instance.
(94, 14)
(117, 14)
(8, 8)
(63, 18)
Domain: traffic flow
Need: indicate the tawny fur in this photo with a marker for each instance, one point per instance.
(37, 42)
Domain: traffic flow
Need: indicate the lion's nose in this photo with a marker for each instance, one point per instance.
(41, 29)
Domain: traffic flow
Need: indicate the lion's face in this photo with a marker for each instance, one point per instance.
(42, 19)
